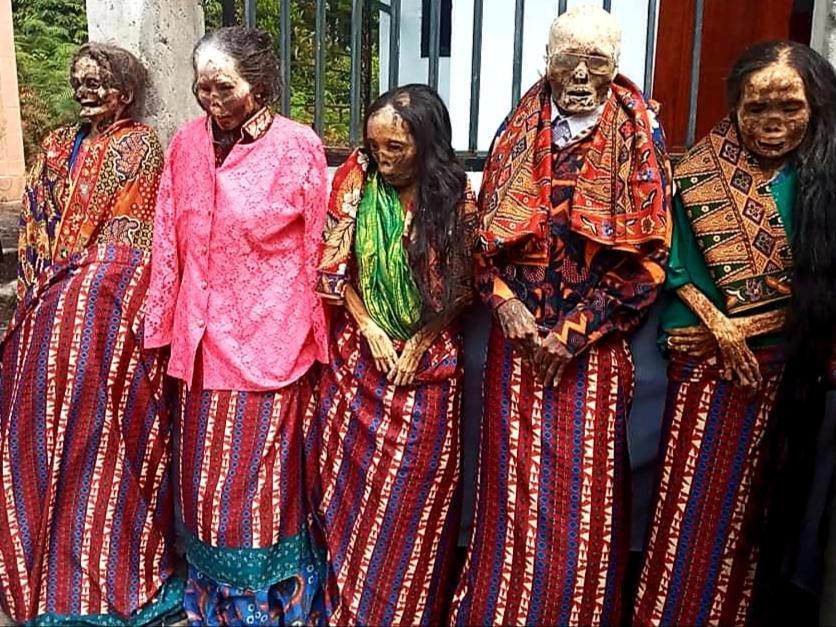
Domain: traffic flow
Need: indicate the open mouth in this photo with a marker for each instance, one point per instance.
(771, 145)
(579, 93)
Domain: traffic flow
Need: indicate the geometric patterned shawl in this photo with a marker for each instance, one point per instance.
(621, 198)
(735, 220)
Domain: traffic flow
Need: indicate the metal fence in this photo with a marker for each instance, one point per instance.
(393, 9)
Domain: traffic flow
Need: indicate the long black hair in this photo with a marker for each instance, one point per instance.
(811, 325)
(254, 55)
(810, 329)
(437, 222)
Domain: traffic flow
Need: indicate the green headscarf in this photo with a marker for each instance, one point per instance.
(388, 290)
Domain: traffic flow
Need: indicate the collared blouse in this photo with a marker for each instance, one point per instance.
(235, 254)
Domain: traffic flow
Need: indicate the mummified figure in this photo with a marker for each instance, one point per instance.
(87, 509)
(568, 277)
(239, 220)
(751, 319)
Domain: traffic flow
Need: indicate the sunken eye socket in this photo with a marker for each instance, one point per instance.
(757, 107)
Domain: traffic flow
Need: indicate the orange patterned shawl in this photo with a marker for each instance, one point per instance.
(111, 197)
(620, 198)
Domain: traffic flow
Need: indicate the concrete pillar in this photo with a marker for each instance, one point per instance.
(162, 33)
(12, 168)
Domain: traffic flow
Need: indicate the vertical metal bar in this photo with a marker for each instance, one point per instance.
(394, 42)
(228, 13)
(608, 5)
(284, 19)
(435, 43)
(650, 47)
(319, 67)
(475, 75)
(696, 57)
(249, 13)
(356, 74)
(516, 77)
(561, 7)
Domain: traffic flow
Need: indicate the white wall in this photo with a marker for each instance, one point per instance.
(412, 68)
(497, 55)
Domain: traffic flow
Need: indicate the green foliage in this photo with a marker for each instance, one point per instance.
(337, 43)
(47, 33)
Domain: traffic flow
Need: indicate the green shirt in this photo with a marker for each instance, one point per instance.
(687, 265)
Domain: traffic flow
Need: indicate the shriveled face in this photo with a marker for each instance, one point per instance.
(393, 147)
(221, 91)
(93, 89)
(583, 51)
(773, 113)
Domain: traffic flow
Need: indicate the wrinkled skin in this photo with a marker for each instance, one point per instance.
(101, 103)
(773, 113)
(583, 51)
(739, 363)
(221, 91)
(519, 327)
(393, 148)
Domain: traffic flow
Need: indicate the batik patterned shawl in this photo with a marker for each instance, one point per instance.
(735, 220)
(620, 198)
(110, 198)
(338, 250)
(86, 510)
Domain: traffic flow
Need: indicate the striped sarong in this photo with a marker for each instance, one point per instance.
(384, 478)
(699, 565)
(550, 535)
(86, 516)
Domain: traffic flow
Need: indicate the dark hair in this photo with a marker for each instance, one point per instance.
(254, 56)
(438, 223)
(811, 319)
(121, 70)
(811, 325)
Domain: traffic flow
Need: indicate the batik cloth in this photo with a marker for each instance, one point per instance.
(238, 462)
(384, 459)
(735, 221)
(383, 273)
(87, 501)
(688, 266)
(75, 198)
(548, 544)
(701, 557)
(294, 601)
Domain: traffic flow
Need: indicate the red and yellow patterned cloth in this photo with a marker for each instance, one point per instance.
(621, 197)
(583, 270)
(73, 198)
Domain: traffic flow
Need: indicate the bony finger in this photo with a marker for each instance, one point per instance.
(551, 373)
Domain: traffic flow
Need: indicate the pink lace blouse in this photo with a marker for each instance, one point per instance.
(234, 258)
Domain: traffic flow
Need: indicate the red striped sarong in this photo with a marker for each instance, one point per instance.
(549, 541)
(386, 486)
(239, 463)
(86, 511)
(700, 561)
